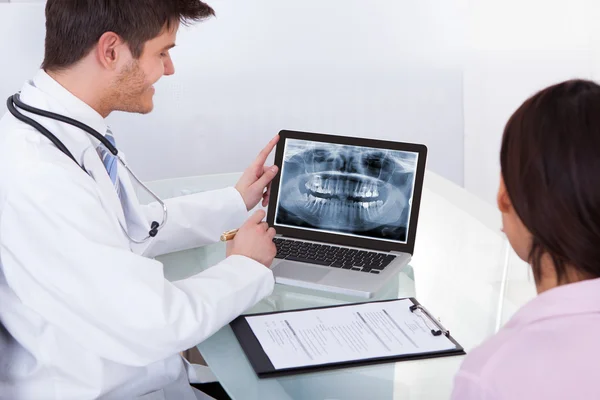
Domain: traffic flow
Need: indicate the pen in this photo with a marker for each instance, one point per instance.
(229, 235)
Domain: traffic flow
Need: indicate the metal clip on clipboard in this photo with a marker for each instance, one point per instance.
(423, 310)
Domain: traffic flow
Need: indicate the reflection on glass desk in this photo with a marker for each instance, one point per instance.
(463, 270)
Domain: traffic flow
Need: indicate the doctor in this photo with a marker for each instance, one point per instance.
(85, 312)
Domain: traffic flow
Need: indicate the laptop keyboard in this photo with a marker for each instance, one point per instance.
(332, 256)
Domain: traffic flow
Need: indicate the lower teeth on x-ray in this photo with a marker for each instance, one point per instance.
(346, 189)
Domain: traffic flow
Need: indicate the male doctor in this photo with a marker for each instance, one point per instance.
(85, 312)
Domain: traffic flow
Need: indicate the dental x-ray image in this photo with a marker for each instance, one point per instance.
(357, 191)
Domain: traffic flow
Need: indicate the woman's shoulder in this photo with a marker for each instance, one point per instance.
(532, 358)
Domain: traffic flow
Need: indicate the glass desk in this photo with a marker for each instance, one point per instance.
(463, 270)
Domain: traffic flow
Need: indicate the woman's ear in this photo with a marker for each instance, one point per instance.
(504, 204)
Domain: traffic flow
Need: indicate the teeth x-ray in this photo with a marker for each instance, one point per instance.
(353, 190)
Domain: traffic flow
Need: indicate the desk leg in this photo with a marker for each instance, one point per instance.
(193, 356)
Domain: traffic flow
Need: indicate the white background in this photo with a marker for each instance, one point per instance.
(517, 47)
(381, 69)
(447, 73)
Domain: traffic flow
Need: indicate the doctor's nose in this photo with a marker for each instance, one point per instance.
(169, 67)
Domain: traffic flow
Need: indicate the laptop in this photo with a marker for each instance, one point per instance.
(345, 210)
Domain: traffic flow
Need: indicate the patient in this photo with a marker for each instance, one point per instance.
(549, 197)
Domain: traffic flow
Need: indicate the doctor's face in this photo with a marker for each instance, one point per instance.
(134, 87)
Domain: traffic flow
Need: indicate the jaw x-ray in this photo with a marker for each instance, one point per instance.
(359, 191)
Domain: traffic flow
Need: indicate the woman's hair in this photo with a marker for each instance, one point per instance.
(73, 27)
(550, 162)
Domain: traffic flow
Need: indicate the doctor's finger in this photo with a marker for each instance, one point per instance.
(266, 178)
(258, 216)
(271, 232)
(266, 168)
(266, 196)
(263, 226)
(264, 153)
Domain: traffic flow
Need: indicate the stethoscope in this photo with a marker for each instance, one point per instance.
(15, 100)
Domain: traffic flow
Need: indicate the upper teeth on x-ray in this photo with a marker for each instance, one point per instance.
(363, 191)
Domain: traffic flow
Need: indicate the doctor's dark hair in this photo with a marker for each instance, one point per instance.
(550, 161)
(73, 27)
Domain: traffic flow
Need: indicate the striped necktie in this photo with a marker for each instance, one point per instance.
(109, 159)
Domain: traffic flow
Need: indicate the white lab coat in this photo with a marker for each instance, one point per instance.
(86, 313)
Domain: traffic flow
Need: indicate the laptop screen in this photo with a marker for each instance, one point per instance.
(348, 190)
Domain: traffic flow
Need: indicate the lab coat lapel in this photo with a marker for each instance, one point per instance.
(138, 225)
(79, 144)
(94, 167)
(83, 149)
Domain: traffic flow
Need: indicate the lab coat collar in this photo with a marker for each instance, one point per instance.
(45, 93)
(75, 107)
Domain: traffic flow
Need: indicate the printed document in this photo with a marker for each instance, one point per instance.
(341, 334)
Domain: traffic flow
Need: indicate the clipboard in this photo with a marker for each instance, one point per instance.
(264, 368)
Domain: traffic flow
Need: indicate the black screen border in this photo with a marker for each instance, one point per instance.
(341, 239)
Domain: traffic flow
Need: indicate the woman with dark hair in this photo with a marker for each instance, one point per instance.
(549, 197)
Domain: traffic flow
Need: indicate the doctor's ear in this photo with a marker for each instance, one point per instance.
(110, 49)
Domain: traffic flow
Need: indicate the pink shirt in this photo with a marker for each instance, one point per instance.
(550, 349)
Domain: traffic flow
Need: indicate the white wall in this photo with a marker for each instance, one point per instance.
(516, 48)
(394, 71)
(388, 69)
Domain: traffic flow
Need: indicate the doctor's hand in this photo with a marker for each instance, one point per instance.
(254, 239)
(255, 183)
